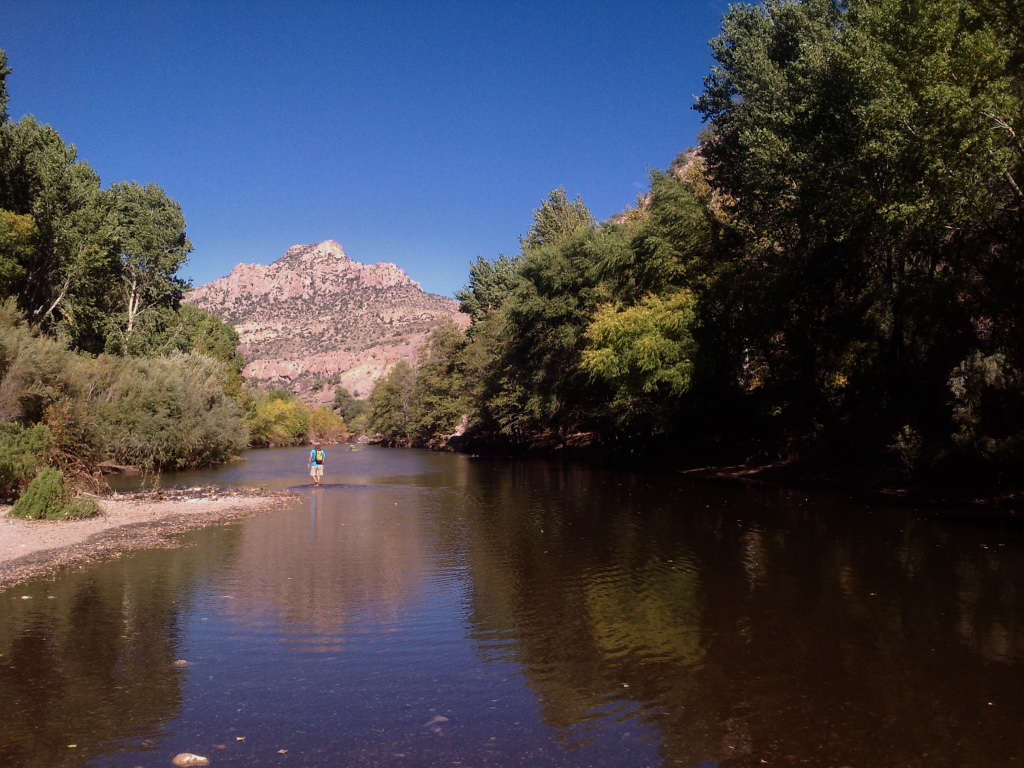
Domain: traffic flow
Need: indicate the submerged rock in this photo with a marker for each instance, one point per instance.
(187, 759)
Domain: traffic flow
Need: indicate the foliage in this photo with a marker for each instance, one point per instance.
(424, 404)
(556, 221)
(48, 498)
(870, 152)
(5, 98)
(391, 402)
(164, 331)
(277, 418)
(644, 350)
(326, 426)
(23, 452)
(63, 276)
(166, 413)
(18, 236)
(438, 401)
(35, 371)
(988, 409)
(85, 264)
(151, 246)
(89, 269)
(348, 407)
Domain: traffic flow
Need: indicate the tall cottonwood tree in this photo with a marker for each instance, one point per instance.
(151, 246)
(61, 276)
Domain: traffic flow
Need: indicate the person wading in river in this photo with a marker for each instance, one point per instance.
(316, 463)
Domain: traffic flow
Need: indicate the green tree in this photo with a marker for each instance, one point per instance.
(868, 150)
(18, 235)
(439, 393)
(348, 407)
(536, 381)
(490, 283)
(645, 353)
(326, 426)
(558, 219)
(63, 278)
(391, 403)
(277, 418)
(5, 99)
(166, 412)
(152, 246)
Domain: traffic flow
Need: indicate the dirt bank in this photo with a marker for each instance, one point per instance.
(34, 548)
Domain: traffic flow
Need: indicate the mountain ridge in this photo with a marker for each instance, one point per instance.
(316, 316)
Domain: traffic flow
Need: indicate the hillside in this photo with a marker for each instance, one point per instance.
(316, 319)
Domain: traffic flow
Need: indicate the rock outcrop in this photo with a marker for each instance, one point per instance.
(316, 319)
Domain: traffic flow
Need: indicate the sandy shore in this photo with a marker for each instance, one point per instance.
(34, 548)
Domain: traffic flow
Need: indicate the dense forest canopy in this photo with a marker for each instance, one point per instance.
(833, 274)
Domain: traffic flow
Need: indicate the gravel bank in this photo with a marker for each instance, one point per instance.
(34, 548)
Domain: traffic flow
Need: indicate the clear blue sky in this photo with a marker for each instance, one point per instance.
(420, 133)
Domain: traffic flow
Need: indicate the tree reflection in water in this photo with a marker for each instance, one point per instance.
(425, 609)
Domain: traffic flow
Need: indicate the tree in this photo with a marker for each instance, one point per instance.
(18, 236)
(557, 220)
(490, 282)
(5, 99)
(348, 407)
(152, 246)
(645, 353)
(439, 394)
(391, 402)
(62, 278)
(869, 151)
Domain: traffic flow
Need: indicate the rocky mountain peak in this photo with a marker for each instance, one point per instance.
(318, 254)
(315, 319)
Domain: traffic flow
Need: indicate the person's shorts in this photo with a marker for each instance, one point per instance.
(317, 470)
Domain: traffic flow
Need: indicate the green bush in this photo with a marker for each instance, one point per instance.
(48, 498)
(22, 453)
(327, 426)
(278, 418)
(168, 412)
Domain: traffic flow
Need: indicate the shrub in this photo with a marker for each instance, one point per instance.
(34, 371)
(327, 426)
(23, 452)
(169, 413)
(47, 498)
(278, 418)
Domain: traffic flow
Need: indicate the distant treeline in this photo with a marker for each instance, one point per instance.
(99, 360)
(835, 274)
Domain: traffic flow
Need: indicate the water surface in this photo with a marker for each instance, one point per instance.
(427, 609)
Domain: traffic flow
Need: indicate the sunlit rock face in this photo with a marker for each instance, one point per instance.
(315, 315)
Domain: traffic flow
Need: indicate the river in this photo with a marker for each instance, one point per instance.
(426, 609)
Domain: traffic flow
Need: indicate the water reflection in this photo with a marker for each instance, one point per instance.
(424, 609)
(359, 561)
(88, 659)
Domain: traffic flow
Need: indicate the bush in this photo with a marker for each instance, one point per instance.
(23, 452)
(34, 371)
(47, 498)
(327, 426)
(277, 418)
(168, 413)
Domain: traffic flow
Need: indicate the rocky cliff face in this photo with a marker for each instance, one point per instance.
(316, 319)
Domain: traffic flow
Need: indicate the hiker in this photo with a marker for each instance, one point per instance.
(316, 463)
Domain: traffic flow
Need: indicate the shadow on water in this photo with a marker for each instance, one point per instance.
(426, 609)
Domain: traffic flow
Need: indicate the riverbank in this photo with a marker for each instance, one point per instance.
(136, 521)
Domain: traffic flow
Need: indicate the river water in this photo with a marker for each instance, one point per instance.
(425, 609)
